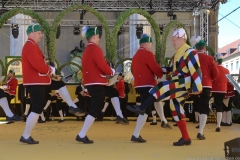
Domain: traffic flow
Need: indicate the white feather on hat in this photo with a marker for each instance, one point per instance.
(218, 56)
(84, 31)
(194, 40)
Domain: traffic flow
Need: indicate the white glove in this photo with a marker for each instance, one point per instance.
(53, 70)
(4, 87)
(113, 70)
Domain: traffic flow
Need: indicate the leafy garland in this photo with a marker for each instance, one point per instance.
(59, 69)
(111, 44)
(31, 13)
(210, 51)
(167, 29)
(57, 20)
(123, 16)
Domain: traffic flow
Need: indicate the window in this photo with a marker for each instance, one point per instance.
(237, 67)
(231, 66)
(227, 66)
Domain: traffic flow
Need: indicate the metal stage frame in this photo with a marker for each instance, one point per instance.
(111, 5)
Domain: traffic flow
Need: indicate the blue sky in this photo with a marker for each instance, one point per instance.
(228, 32)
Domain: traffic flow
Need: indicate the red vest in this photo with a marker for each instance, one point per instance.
(219, 85)
(94, 66)
(120, 88)
(35, 69)
(208, 68)
(12, 84)
(144, 68)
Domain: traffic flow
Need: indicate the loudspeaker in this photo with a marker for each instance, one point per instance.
(232, 148)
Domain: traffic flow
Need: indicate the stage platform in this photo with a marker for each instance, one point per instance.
(112, 142)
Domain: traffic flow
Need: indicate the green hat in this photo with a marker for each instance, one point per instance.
(201, 43)
(33, 28)
(11, 71)
(91, 32)
(145, 38)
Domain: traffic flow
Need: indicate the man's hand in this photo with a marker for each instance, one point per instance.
(53, 70)
(113, 71)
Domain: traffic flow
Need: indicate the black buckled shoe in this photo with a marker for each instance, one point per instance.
(13, 118)
(200, 136)
(136, 109)
(153, 123)
(218, 129)
(76, 111)
(121, 120)
(175, 125)
(197, 126)
(84, 139)
(10, 122)
(23, 116)
(60, 121)
(41, 121)
(139, 139)
(30, 140)
(165, 125)
(182, 142)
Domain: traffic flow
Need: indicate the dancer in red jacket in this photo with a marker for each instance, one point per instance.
(145, 68)
(12, 84)
(209, 73)
(219, 88)
(95, 69)
(36, 78)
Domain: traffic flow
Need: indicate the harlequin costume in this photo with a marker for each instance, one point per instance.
(186, 78)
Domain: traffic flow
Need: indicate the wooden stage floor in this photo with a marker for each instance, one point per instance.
(112, 141)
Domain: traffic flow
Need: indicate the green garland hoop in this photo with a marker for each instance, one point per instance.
(123, 16)
(34, 15)
(72, 8)
(210, 51)
(58, 70)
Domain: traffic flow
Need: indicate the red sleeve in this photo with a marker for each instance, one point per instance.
(152, 64)
(36, 59)
(214, 70)
(101, 62)
(120, 88)
(13, 84)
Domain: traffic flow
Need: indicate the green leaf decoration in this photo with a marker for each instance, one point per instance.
(57, 20)
(123, 16)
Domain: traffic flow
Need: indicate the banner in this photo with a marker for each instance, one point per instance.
(16, 66)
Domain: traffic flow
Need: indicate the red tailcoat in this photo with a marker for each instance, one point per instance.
(94, 66)
(35, 69)
(12, 84)
(219, 85)
(145, 68)
(208, 68)
(120, 88)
